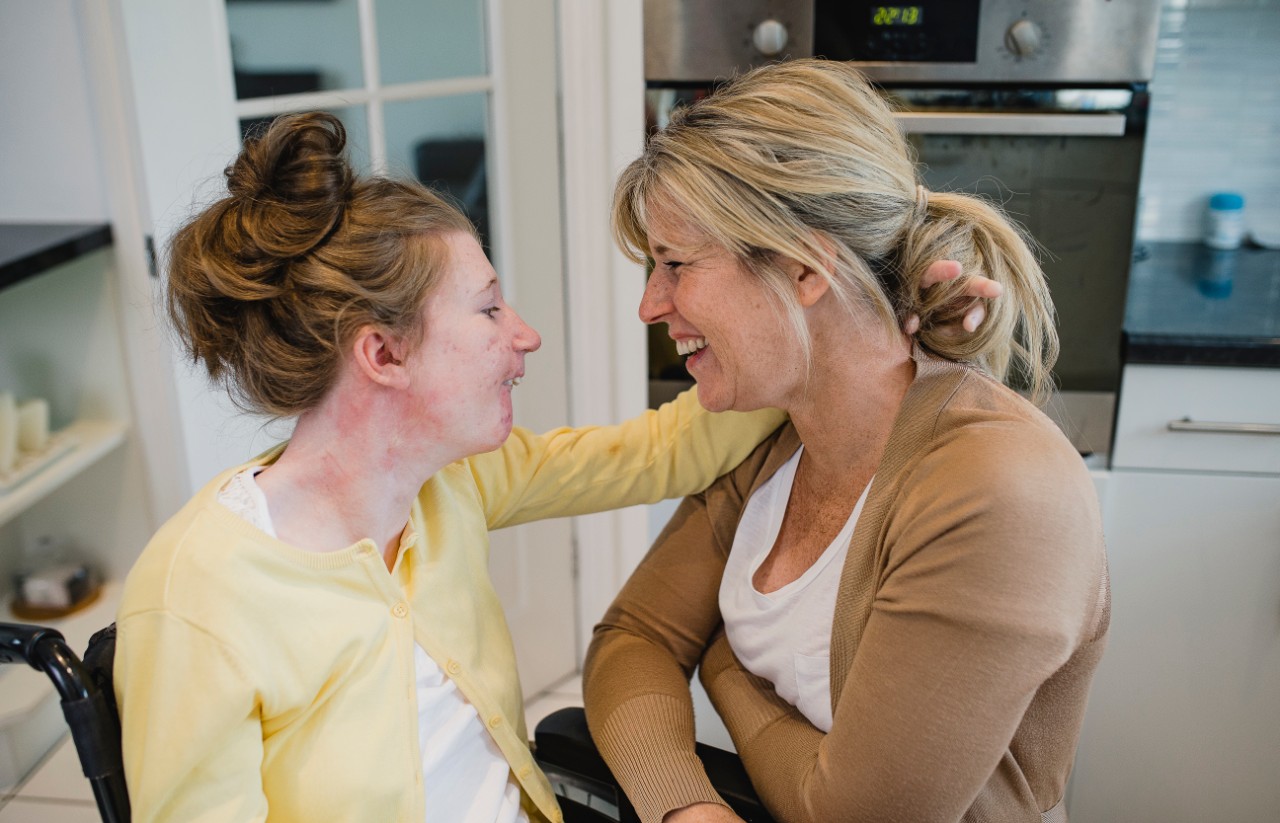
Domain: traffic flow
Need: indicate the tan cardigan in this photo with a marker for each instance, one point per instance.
(972, 612)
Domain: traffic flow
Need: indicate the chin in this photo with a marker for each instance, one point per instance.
(711, 401)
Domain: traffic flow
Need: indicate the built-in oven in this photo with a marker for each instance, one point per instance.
(1038, 105)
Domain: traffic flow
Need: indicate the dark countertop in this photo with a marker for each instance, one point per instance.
(27, 249)
(1191, 305)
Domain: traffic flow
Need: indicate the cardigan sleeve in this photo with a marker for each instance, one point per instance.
(989, 584)
(675, 450)
(644, 650)
(192, 739)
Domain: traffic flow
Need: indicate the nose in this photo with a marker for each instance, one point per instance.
(526, 339)
(656, 302)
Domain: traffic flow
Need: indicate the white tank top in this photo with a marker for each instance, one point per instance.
(784, 636)
(464, 776)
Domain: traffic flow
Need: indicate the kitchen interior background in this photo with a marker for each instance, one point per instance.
(1215, 116)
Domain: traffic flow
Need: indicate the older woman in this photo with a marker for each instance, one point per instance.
(898, 601)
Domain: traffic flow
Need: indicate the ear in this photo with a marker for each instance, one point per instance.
(811, 285)
(380, 357)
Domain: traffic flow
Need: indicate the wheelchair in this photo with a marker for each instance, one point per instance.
(562, 744)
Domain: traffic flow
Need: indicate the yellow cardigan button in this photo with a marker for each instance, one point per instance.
(495, 721)
(400, 609)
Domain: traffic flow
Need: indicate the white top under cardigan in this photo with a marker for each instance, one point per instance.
(784, 636)
(465, 777)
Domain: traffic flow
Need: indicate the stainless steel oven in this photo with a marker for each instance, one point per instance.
(1039, 105)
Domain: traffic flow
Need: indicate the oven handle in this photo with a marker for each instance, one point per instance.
(1104, 124)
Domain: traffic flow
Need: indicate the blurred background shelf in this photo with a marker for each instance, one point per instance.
(28, 249)
(93, 440)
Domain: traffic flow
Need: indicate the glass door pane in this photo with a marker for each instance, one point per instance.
(441, 141)
(294, 46)
(430, 39)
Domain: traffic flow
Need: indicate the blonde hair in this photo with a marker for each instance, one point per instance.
(267, 286)
(803, 160)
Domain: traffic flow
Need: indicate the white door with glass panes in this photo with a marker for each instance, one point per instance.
(458, 93)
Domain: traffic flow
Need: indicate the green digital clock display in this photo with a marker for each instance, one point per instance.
(897, 15)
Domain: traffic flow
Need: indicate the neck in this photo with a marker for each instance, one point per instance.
(347, 475)
(845, 413)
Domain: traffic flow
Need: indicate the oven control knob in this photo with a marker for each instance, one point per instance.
(1023, 38)
(770, 37)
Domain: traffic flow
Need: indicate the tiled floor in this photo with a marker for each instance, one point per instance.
(56, 791)
(568, 692)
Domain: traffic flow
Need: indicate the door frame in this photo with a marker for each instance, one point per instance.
(602, 122)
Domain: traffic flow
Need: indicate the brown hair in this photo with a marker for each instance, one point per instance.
(803, 160)
(268, 285)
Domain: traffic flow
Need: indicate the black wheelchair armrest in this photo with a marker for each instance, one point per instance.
(588, 792)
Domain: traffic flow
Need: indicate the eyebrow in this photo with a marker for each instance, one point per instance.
(487, 286)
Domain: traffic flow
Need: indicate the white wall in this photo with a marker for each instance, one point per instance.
(1215, 115)
(50, 170)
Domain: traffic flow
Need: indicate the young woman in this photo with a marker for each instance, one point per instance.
(898, 601)
(314, 635)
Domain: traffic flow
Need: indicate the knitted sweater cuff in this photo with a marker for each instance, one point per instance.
(648, 744)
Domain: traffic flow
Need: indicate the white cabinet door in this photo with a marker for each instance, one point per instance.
(1184, 716)
(178, 61)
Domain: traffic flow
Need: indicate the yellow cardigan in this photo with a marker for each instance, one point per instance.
(258, 681)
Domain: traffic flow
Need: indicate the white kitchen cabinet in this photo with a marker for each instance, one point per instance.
(1199, 418)
(1183, 721)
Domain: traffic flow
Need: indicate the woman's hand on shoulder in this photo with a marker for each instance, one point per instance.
(977, 290)
(702, 813)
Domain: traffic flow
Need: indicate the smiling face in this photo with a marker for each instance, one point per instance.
(740, 348)
(471, 354)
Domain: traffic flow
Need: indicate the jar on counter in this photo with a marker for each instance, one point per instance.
(1224, 223)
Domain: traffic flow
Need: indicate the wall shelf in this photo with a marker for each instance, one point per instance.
(94, 439)
(27, 249)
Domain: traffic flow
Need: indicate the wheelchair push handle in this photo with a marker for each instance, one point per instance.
(46, 650)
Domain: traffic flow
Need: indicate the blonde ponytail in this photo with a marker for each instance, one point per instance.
(1017, 341)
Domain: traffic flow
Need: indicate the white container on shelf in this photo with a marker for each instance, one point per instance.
(33, 424)
(8, 433)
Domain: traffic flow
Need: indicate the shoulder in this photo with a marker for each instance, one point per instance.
(992, 461)
(195, 564)
(965, 419)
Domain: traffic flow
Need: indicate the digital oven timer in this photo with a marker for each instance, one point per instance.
(897, 15)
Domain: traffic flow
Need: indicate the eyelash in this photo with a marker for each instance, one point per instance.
(490, 312)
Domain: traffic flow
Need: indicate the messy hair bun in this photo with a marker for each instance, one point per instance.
(267, 286)
(292, 191)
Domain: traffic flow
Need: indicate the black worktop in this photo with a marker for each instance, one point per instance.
(27, 249)
(1191, 305)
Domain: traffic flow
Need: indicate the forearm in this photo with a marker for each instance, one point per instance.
(676, 450)
(636, 679)
(778, 746)
(641, 718)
